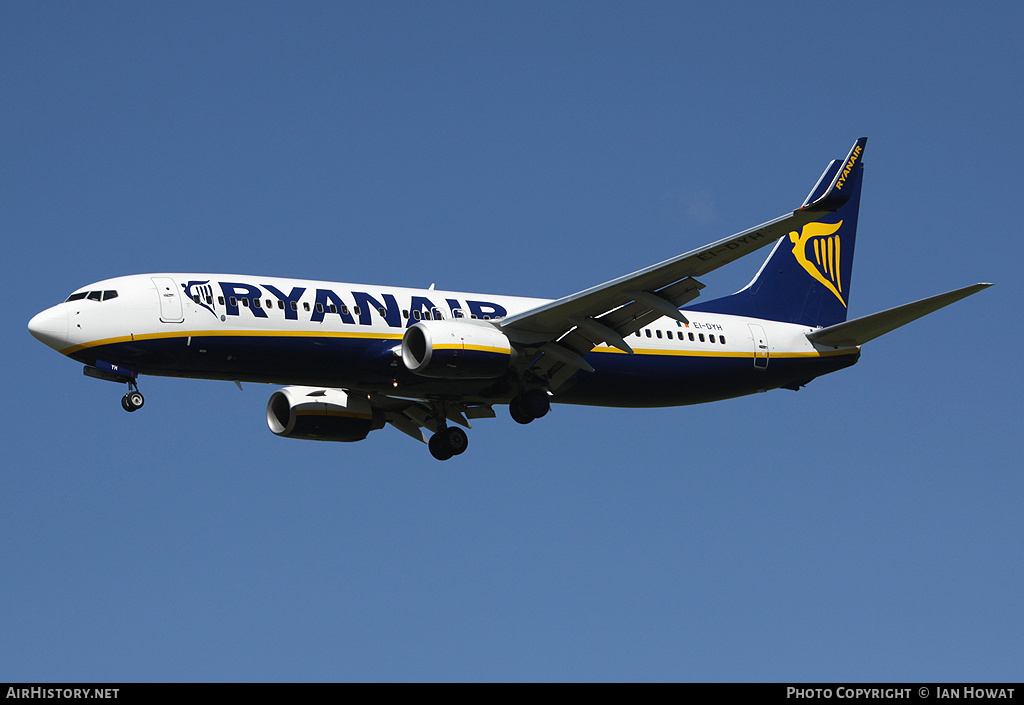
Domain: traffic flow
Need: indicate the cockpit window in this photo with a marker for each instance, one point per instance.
(93, 295)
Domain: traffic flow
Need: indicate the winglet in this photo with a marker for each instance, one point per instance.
(840, 186)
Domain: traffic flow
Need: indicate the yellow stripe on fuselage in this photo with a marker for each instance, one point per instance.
(230, 334)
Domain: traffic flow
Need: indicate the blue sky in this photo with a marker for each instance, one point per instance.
(866, 528)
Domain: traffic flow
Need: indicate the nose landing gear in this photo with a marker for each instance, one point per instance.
(133, 400)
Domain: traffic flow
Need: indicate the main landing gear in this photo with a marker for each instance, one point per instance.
(448, 442)
(133, 400)
(531, 404)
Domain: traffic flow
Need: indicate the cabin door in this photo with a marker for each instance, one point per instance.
(760, 346)
(170, 300)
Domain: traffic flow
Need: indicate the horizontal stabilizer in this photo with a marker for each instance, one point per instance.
(861, 330)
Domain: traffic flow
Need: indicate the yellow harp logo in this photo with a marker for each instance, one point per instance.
(826, 254)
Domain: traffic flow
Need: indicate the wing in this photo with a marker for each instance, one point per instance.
(563, 331)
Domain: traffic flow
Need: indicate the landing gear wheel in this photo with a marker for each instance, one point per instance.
(517, 412)
(438, 448)
(448, 442)
(535, 403)
(531, 404)
(132, 401)
(456, 440)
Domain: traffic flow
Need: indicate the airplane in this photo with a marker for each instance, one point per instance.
(354, 358)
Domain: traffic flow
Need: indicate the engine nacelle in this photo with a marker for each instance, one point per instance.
(456, 349)
(318, 414)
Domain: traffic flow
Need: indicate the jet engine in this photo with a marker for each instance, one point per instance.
(456, 349)
(319, 414)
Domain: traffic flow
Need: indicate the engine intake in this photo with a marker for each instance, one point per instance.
(318, 414)
(456, 349)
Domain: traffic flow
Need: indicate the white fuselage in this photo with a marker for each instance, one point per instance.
(290, 331)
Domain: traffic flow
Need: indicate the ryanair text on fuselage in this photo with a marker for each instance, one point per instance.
(236, 296)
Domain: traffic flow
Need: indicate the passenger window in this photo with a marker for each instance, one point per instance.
(245, 302)
(344, 309)
(94, 295)
(691, 337)
(668, 334)
(319, 308)
(255, 303)
(333, 308)
(711, 337)
(383, 312)
(405, 313)
(657, 333)
(107, 295)
(76, 297)
(220, 300)
(721, 339)
(305, 305)
(280, 304)
(195, 297)
(234, 301)
(648, 332)
(355, 310)
(270, 303)
(295, 305)
(416, 314)
(702, 337)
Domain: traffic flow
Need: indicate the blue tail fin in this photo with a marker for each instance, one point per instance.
(806, 279)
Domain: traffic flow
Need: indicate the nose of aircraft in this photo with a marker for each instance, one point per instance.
(51, 327)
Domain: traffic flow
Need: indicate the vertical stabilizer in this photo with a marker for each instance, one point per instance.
(806, 279)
